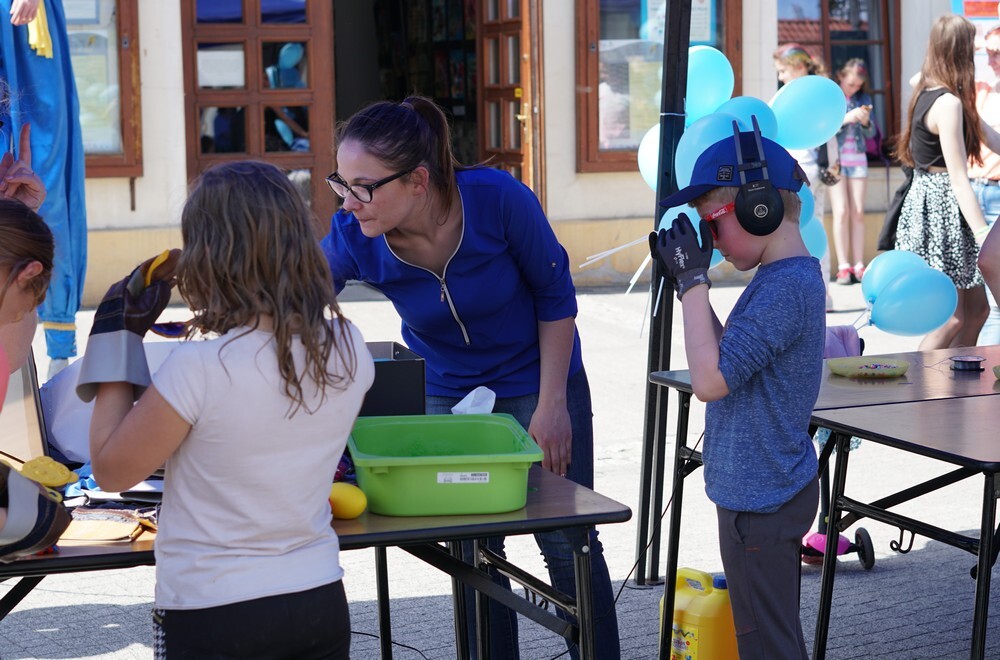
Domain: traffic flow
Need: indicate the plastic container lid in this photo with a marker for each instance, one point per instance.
(719, 582)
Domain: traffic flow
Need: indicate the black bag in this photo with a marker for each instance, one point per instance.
(887, 237)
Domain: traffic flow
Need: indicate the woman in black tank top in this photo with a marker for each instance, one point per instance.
(941, 219)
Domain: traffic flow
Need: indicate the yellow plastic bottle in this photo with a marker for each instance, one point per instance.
(703, 626)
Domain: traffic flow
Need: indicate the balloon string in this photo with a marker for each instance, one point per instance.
(638, 273)
(656, 304)
(861, 316)
(673, 114)
(607, 253)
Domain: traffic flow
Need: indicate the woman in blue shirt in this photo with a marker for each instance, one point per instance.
(484, 291)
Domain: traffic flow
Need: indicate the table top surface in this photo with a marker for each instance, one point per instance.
(961, 431)
(552, 503)
(930, 377)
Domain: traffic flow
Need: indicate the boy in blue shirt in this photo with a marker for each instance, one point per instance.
(760, 375)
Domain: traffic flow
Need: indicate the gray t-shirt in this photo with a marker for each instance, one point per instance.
(758, 453)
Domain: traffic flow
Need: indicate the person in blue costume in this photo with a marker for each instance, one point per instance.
(483, 287)
(759, 374)
(42, 91)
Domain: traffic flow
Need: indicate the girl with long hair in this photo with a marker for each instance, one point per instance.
(941, 219)
(847, 196)
(250, 425)
(792, 61)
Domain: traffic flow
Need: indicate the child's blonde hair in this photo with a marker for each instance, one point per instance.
(249, 249)
(727, 194)
(796, 55)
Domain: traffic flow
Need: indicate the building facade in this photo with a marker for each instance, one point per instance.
(558, 93)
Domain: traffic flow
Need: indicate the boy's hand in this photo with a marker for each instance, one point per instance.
(682, 257)
(654, 238)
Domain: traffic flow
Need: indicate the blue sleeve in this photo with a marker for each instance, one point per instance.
(543, 262)
(335, 246)
(766, 326)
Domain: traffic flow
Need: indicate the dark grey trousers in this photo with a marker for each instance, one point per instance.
(761, 557)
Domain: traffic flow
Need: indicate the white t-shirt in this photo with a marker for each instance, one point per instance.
(245, 510)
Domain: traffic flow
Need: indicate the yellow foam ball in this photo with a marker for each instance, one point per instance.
(347, 501)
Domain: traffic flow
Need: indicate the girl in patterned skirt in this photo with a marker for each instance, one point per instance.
(941, 219)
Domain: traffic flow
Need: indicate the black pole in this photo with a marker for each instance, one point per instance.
(673, 85)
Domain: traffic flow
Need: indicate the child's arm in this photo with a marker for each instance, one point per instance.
(702, 333)
(128, 444)
(686, 262)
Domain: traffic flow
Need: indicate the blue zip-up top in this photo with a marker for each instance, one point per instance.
(478, 325)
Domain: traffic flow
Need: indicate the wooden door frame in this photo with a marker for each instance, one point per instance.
(317, 33)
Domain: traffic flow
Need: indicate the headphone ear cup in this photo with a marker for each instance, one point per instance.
(759, 208)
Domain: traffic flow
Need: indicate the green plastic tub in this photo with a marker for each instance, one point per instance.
(432, 465)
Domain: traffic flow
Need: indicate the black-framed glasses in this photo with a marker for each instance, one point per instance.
(362, 191)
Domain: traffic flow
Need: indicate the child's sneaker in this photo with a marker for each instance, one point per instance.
(859, 272)
(845, 275)
(36, 517)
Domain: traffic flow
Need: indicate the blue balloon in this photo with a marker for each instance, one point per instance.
(885, 268)
(710, 82)
(698, 137)
(649, 156)
(814, 236)
(809, 110)
(743, 107)
(717, 259)
(915, 302)
(808, 206)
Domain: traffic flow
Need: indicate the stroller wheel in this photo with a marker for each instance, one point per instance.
(866, 551)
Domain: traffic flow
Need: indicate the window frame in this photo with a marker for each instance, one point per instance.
(128, 163)
(589, 156)
(257, 94)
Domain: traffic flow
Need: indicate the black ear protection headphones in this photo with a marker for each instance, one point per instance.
(759, 208)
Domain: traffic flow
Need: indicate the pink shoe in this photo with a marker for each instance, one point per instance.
(859, 272)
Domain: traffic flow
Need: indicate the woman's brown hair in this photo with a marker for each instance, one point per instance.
(404, 136)
(24, 238)
(949, 64)
(249, 250)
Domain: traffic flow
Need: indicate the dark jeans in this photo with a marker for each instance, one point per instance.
(556, 546)
(313, 624)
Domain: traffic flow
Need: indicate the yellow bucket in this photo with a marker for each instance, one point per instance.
(703, 626)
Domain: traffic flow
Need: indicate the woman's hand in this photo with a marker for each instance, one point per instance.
(551, 429)
(23, 12)
(17, 179)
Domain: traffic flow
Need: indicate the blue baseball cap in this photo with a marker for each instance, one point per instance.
(718, 166)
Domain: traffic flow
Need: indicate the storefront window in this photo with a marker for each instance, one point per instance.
(102, 46)
(624, 66)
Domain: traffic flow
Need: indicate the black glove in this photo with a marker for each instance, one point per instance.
(678, 252)
(114, 350)
(654, 237)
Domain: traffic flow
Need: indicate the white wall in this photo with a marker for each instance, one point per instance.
(160, 192)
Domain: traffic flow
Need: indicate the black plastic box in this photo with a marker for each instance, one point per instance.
(399, 381)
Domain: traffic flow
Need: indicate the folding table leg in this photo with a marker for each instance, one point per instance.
(584, 598)
(382, 591)
(482, 613)
(674, 532)
(830, 554)
(984, 568)
(17, 593)
(458, 607)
